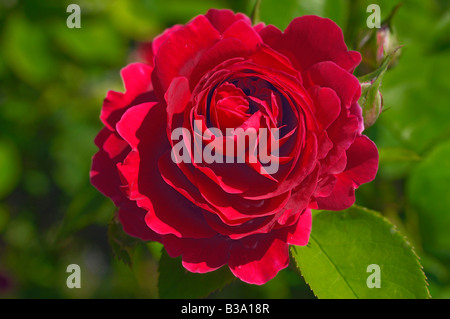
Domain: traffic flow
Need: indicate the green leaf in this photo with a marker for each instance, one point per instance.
(343, 245)
(122, 244)
(175, 282)
(428, 192)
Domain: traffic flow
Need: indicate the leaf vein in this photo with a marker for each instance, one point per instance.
(335, 266)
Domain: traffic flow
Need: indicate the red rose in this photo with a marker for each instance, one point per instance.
(219, 72)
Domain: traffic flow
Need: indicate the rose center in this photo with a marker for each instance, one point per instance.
(234, 102)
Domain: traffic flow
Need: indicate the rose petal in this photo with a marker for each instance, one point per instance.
(311, 39)
(258, 259)
(177, 98)
(299, 199)
(224, 18)
(132, 218)
(362, 166)
(362, 161)
(169, 212)
(104, 175)
(197, 256)
(299, 233)
(329, 74)
(342, 196)
(326, 103)
(137, 81)
(243, 31)
(181, 52)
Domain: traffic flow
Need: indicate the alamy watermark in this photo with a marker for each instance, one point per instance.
(74, 279)
(374, 280)
(374, 19)
(74, 19)
(231, 147)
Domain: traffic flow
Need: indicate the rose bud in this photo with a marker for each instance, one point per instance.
(371, 102)
(376, 44)
(386, 43)
(229, 135)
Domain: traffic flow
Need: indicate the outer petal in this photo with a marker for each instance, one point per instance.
(299, 233)
(181, 52)
(132, 121)
(362, 165)
(342, 196)
(138, 86)
(258, 259)
(162, 38)
(343, 130)
(244, 32)
(362, 161)
(327, 105)
(328, 74)
(132, 218)
(199, 255)
(223, 19)
(311, 39)
(177, 98)
(238, 40)
(104, 175)
(300, 198)
(169, 212)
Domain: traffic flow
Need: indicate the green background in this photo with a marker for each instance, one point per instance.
(52, 83)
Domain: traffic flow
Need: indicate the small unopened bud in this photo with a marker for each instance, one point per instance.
(376, 44)
(371, 102)
(386, 43)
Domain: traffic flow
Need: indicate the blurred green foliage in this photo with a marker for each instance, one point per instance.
(53, 81)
